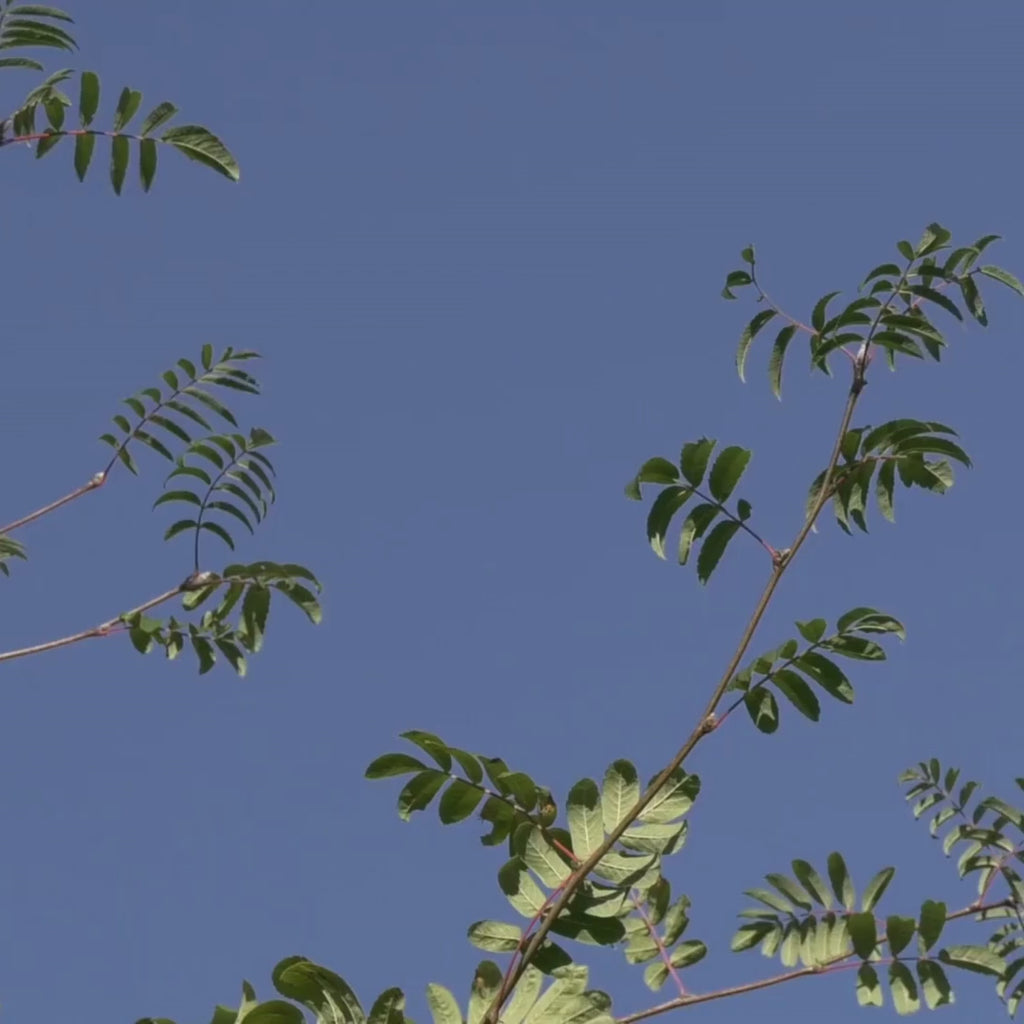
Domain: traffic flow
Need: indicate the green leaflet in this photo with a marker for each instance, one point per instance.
(495, 936)
(673, 799)
(586, 823)
(934, 984)
(444, 1009)
(319, 989)
(727, 470)
(519, 887)
(749, 333)
(905, 996)
(620, 793)
(486, 983)
(869, 988)
(777, 357)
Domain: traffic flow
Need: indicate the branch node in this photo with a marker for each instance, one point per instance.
(197, 580)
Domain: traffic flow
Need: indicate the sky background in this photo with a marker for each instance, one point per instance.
(481, 248)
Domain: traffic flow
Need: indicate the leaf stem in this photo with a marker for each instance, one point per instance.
(766, 299)
(663, 953)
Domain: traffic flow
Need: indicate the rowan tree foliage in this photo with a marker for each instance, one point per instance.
(220, 477)
(591, 867)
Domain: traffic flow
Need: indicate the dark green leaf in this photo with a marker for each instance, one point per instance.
(419, 791)
(218, 531)
(714, 547)
(54, 113)
(179, 527)
(186, 496)
(763, 710)
(973, 301)
(127, 106)
(694, 526)
(84, 146)
(842, 884)
(653, 471)
(861, 929)
(884, 485)
(89, 98)
(727, 470)
(749, 333)
(855, 647)
(1002, 276)
(665, 506)
(799, 694)
(147, 163)
(317, 988)
(812, 630)
(458, 802)
(735, 279)
(930, 923)
(46, 143)
(388, 1008)
(749, 935)
(431, 744)
(931, 295)
(20, 62)
(826, 674)
(119, 154)
(159, 115)
(775, 360)
(394, 764)
(818, 315)
(201, 145)
(812, 882)
(899, 931)
(883, 270)
(896, 342)
(694, 460)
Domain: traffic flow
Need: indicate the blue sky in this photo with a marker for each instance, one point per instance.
(481, 248)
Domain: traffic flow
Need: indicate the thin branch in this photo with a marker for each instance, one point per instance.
(842, 963)
(725, 993)
(115, 625)
(98, 480)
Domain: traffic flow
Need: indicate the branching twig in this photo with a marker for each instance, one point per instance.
(707, 723)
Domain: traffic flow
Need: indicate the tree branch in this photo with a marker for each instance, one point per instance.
(98, 480)
(115, 625)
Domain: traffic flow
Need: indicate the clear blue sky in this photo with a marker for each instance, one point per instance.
(481, 248)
